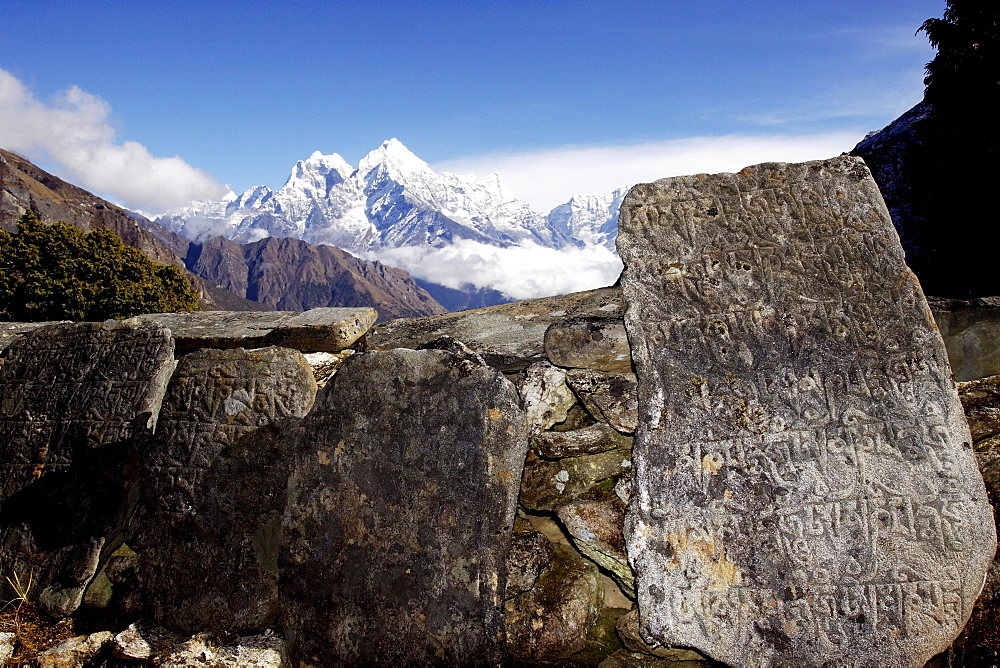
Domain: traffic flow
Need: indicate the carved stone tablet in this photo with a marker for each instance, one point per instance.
(215, 488)
(805, 489)
(74, 399)
(401, 504)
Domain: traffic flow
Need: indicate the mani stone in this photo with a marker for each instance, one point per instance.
(318, 330)
(805, 489)
(74, 400)
(400, 508)
(215, 489)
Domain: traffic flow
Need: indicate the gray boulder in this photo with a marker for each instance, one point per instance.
(551, 621)
(589, 343)
(215, 489)
(609, 397)
(325, 330)
(74, 401)
(545, 394)
(401, 504)
(589, 440)
(549, 485)
(805, 489)
(595, 525)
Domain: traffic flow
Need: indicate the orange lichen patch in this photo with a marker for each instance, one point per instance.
(324, 458)
(711, 463)
(494, 413)
(709, 556)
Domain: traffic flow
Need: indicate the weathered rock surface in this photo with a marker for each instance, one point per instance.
(981, 402)
(610, 397)
(595, 526)
(401, 503)
(588, 440)
(546, 396)
(73, 652)
(9, 331)
(628, 631)
(260, 651)
(805, 488)
(971, 333)
(142, 642)
(589, 343)
(215, 489)
(326, 330)
(74, 399)
(529, 553)
(551, 621)
(548, 485)
(7, 641)
(510, 337)
(679, 658)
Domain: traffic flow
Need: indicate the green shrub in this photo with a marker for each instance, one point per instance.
(58, 272)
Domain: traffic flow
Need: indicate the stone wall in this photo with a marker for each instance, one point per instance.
(458, 491)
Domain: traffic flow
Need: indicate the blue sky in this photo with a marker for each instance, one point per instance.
(559, 97)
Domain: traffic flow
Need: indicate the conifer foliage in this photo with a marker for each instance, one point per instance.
(58, 272)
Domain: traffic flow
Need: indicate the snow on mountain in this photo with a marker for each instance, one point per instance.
(394, 201)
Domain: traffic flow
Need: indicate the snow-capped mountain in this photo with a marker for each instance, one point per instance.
(393, 200)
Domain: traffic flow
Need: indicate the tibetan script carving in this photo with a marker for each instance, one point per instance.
(806, 493)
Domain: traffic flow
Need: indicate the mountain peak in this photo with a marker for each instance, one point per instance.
(393, 154)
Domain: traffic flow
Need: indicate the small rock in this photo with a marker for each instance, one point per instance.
(546, 396)
(7, 641)
(626, 659)
(551, 621)
(589, 343)
(260, 651)
(324, 365)
(530, 552)
(73, 652)
(590, 440)
(547, 485)
(610, 397)
(596, 529)
(142, 642)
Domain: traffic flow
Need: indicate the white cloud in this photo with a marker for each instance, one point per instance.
(73, 130)
(547, 178)
(524, 272)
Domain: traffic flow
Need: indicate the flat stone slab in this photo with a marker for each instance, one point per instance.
(400, 508)
(589, 343)
(214, 489)
(971, 333)
(318, 330)
(9, 331)
(74, 401)
(510, 337)
(805, 488)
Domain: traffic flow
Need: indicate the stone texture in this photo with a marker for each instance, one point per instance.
(142, 642)
(510, 337)
(401, 504)
(680, 658)
(7, 641)
(324, 330)
(215, 489)
(12, 330)
(805, 488)
(981, 402)
(589, 440)
(971, 333)
(548, 485)
(595, 525)
(546, 396)
(628, 631)
(551, 621)
(610, 397)
(74, 399)
(589, 343)
(529, 553)
(73, 652)
(260, 651)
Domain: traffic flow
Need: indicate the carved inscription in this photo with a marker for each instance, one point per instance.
(74, 399)
(220, 459)
(805, 488)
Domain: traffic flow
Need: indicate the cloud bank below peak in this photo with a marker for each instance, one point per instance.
(73, 130)
(547, 178)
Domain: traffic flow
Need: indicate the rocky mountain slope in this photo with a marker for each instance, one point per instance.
(285, 275)
(292, 275)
